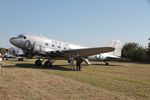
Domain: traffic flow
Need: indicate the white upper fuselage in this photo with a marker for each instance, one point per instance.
(43, 43)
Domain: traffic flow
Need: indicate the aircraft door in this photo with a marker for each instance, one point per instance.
(29, 46)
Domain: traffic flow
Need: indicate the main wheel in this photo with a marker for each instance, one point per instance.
(48, 63)
(38, 62)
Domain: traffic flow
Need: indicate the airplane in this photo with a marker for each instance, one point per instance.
(51, 49)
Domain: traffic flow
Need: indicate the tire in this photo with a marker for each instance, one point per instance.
(38, 62)
(46, 63)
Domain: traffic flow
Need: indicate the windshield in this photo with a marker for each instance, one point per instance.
(21, 36)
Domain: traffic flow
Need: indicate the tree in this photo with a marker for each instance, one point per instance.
(134, 52)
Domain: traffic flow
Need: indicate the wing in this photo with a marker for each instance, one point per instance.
(81, 52)
(88, 51)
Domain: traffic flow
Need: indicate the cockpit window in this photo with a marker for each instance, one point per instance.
(24, 37)
(21, 37)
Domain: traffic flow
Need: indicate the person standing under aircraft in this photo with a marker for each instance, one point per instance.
(71, 62)
(1, 60)
(78, 62)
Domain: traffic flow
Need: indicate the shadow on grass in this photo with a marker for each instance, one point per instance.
(95, 64)
(54, 67)
(8, 66)
(142, 63)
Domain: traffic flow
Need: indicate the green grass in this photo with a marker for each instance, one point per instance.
(129, 79)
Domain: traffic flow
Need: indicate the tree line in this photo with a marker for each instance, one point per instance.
(135, 52)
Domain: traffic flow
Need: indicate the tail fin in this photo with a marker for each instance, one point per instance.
(118, 47)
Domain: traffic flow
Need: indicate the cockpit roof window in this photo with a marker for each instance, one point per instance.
(22, 36)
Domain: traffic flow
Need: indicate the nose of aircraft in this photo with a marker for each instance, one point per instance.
(13, 41)
(17, 42)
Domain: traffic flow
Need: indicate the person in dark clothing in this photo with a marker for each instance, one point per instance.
(1, 59)
(78, 63)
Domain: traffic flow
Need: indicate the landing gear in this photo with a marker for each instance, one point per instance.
(106, 63)
(48, 63)
(38, 62)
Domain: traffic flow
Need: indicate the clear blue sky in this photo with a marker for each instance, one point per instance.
(85, 22)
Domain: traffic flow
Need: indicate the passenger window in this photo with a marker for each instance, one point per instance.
(21, 37)
(53, 45)
(59, 47)
(46, 44)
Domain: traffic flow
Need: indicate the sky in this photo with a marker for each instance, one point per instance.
(83, 22)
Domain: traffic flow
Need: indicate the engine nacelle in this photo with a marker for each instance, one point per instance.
(100, 57)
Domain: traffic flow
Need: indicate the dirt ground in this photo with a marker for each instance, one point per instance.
(26, 83)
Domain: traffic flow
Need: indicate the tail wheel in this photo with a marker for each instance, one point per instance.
(106, 63)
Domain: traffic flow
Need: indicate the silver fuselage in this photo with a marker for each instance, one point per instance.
(33, 43)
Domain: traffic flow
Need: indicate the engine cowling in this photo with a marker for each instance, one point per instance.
(100, 57)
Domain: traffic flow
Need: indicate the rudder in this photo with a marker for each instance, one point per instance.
(118, 47)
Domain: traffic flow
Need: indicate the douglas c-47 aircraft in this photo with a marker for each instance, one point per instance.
(52, 50)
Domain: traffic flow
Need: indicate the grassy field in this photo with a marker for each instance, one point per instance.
(119, 81)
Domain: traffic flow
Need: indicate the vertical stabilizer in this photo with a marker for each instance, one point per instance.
(118, 47)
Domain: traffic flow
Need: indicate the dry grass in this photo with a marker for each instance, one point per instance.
(23, 80)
